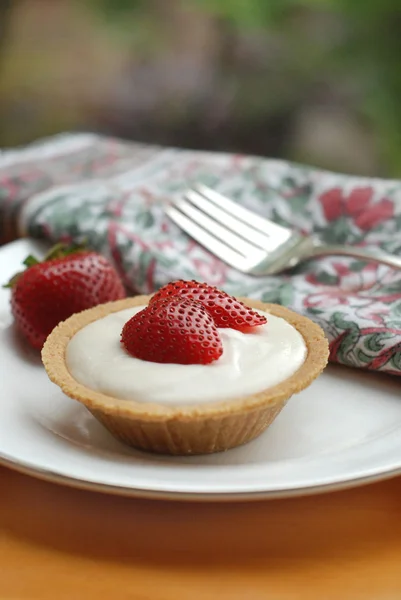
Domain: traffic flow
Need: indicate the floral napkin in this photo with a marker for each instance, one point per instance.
(112, 193)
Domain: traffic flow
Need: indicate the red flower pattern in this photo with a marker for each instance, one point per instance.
(358, 205)
(363, 291)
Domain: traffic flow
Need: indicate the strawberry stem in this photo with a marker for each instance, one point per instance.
(57, 251)
(60, 250)
(30, 261)
(11, 282)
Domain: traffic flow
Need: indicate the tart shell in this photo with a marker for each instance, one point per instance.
(196, 428)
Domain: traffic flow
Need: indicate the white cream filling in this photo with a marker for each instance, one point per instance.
(250, 363)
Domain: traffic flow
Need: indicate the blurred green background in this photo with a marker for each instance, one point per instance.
(315, 81)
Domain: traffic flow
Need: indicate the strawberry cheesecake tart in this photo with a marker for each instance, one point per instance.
(189, 370)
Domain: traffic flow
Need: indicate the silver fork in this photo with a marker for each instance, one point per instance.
(250, 243)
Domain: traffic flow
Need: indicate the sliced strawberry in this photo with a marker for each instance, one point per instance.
(173, 330)
(225, 310)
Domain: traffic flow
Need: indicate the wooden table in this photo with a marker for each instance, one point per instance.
(58, 543)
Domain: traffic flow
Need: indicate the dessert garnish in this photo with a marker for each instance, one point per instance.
(173, 330)
(226, 310)
(180, 324)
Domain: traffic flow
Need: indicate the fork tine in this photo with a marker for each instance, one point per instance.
(219, 231)
(263, 225)
(215, 246)
(253, 236)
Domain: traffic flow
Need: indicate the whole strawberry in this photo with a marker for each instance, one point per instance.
(173, 330)
(66, 282)
(226, 310)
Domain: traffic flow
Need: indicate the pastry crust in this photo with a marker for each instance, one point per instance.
(193, 429)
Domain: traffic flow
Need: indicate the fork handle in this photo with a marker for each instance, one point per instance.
(369, 254)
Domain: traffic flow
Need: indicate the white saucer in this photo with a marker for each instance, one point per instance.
(342, 431)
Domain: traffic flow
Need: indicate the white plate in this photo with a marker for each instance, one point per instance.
(344, 430)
